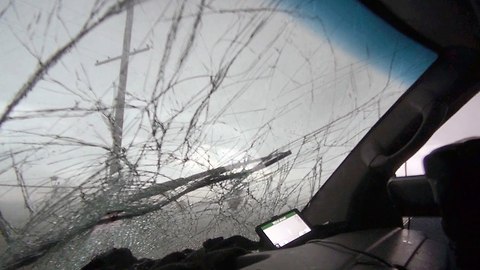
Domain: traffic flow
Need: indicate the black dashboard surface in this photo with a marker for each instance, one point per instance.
(370, 249)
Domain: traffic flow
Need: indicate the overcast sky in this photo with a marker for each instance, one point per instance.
(291, 78)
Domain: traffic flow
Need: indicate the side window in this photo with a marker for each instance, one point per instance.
(465, 123)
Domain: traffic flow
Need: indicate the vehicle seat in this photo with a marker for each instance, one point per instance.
(454, 174)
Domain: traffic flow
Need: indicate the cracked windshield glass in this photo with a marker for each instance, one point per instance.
(155, 125)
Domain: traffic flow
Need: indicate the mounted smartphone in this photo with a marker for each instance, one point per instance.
(286, 230)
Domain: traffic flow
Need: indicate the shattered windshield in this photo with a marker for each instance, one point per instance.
(155, 125)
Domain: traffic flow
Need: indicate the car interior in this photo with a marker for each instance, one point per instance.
(363, 197)
(363, 216)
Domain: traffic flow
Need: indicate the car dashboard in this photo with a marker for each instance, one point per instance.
(369, 249)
